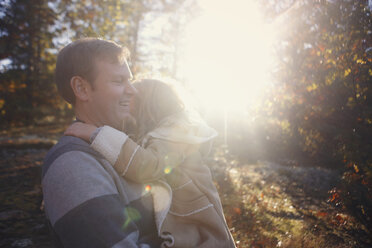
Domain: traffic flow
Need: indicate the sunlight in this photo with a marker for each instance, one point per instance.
(227, 58)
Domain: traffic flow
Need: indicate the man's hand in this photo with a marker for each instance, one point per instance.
(81, 130)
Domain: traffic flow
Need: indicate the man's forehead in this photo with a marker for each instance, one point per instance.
(114, 69)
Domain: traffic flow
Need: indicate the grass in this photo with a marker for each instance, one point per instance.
(271, 205)
(265, 204)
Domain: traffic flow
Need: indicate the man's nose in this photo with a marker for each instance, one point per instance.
(130, 90)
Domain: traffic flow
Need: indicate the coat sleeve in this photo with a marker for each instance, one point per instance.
(84, 207)
(136, 163)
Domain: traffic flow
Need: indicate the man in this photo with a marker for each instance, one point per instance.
(86, 202)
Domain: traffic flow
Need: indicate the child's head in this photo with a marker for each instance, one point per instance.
(155, 101)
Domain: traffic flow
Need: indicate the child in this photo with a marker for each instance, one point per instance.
(188, 211)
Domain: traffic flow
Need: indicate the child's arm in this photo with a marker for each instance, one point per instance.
(81, 130)
(127, 157)
(135, 162)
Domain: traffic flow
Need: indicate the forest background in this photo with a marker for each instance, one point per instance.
(317, 113)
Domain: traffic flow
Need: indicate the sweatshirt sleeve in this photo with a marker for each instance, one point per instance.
(84, 207)
(136, 163)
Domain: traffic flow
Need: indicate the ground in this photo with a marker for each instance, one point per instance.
(272, 205)
(266, 204)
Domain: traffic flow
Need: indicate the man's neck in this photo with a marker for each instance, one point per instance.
(82, 115)
(78, 120)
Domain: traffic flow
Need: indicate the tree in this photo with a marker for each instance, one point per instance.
(26, 39)
(324, 91)
(31, 32)
(125, 21)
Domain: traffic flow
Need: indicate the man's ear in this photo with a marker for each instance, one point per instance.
(81, 88)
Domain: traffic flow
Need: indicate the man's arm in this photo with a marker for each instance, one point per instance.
(83, 204)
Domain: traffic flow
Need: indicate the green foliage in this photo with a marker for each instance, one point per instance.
(31, 32)
(27, 91)
(323, 99)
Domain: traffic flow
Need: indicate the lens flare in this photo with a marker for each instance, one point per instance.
(148, 188)
(131, 214)
(167, 170)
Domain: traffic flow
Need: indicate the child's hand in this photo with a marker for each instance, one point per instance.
(81, 130)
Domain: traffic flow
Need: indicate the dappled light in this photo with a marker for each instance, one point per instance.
(286, 84)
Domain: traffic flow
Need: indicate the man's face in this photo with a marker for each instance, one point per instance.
(111, 96)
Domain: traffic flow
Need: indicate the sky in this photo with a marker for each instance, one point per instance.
(227, 58)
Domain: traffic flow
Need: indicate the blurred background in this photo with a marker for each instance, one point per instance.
(287, 84)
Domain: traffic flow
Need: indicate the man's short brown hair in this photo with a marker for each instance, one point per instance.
(78, 59)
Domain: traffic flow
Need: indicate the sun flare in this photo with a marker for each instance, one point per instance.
(227, 56)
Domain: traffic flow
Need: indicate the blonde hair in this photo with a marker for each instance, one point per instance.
(155, 101)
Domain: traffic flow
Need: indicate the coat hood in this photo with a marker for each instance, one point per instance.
(184, 127)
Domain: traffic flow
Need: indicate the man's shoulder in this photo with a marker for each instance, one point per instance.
(71, 173)
(64, 147)
(67, 141)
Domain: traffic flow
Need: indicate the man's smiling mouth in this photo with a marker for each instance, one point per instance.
(124, 104)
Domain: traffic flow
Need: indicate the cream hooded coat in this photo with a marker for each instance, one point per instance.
(188, 210)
